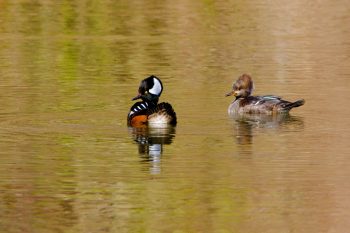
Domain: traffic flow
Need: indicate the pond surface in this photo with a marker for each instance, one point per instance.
(68, 71)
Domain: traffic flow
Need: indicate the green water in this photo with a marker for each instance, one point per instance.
(68, 162)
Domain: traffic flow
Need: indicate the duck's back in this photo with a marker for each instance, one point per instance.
(268, 104)
(143, 113)
(162, 114)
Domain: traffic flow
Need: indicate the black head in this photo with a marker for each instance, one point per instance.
(150, 89)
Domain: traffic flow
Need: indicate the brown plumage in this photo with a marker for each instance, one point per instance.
(245, 103)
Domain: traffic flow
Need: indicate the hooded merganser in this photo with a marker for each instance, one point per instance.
(245, 103)
(148, 111)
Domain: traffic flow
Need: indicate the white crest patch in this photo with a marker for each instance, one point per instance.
(157, 87)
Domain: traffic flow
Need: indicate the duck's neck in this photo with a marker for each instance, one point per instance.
(150, 99)
(240, 98)
(150, 103)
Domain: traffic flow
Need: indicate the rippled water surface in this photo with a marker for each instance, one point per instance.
(68, 162)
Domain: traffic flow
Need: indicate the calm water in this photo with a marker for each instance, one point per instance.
(68, 163)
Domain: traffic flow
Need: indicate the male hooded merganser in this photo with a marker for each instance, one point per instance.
(148, 111)
(247, 104)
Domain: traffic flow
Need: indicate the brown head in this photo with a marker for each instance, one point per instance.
(243, 87)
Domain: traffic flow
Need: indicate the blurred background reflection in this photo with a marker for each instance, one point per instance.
(69, 163)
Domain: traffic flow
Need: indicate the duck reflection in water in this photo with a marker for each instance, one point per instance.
(151, 123)
(150, 143)
(247, 125)
(267, 111)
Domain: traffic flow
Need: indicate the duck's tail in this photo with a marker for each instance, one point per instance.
(162, 114)
(295, 104)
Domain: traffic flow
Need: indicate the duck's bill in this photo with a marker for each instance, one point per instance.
(137, 97)
(231, 93)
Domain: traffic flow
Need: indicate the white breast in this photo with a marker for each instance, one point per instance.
(158, 120)
(234, 107)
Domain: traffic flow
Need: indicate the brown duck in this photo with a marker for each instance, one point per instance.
(245, 103)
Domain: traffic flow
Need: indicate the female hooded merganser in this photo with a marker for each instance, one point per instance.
(247, 104)
(148, 111)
